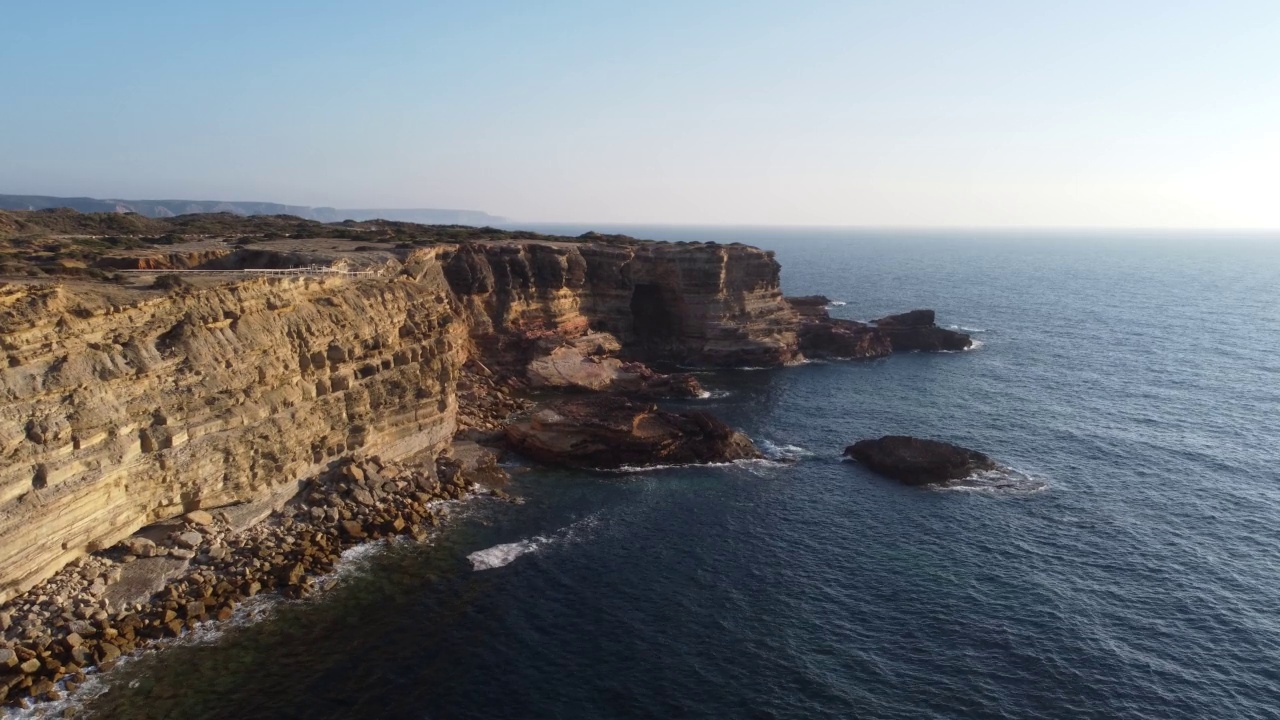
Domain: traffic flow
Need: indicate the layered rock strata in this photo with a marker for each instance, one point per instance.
(124, 404)
(120, 411)
(707, 305)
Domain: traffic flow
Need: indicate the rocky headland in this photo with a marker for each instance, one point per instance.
(203, 408)
(822, 336)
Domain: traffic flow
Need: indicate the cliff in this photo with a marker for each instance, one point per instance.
(124, 404)
(710, 305)
(123, 409)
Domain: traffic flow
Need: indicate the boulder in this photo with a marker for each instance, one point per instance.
(472, 463)
(916, 330)
(199, 517)
(141, 579)
(917, 461)
(139, 546)
(607, 432)
(567, 368)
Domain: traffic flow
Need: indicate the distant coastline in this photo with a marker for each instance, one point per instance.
(171, 208)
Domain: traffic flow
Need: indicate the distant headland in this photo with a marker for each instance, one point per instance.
(171, 208)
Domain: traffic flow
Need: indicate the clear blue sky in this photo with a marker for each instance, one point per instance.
(975, 113)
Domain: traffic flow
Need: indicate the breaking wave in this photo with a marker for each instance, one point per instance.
(782, 453)
(506, 553)
(1003, 480)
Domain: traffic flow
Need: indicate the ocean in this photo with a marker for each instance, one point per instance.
(1132, 571)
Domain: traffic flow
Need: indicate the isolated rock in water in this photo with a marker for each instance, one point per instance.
(822, 336)
(917, 461)
(916, 330)
(609, 432)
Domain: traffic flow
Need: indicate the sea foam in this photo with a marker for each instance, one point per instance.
(501, 555)
(1003, 480)
(506, 553)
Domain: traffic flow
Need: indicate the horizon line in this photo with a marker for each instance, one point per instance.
(913, 228)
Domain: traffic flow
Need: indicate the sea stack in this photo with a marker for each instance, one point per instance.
(917, 461)
(917, 330)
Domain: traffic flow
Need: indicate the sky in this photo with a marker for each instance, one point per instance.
(983, 113)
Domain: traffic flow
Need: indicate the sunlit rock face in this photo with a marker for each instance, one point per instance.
(120, 411)
(715, 305)
(124, 406)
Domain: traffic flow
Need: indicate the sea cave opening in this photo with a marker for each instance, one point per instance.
(654, 320)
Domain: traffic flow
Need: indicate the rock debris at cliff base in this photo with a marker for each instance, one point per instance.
(198, 568)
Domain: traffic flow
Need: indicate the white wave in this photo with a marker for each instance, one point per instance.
(774, 451)
(1003, 480)
(746, 462)
(836, 303)
(632, 469)
(354, 558)
(973, 345)
(500, 555)
(963, 328)
(506, 553)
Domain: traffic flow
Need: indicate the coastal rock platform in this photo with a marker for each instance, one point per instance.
(609, 432)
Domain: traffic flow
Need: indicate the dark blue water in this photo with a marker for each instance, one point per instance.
(1134, 379)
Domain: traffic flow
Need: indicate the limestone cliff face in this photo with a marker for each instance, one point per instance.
(715, 305)
(121, 411)
(121, 406)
